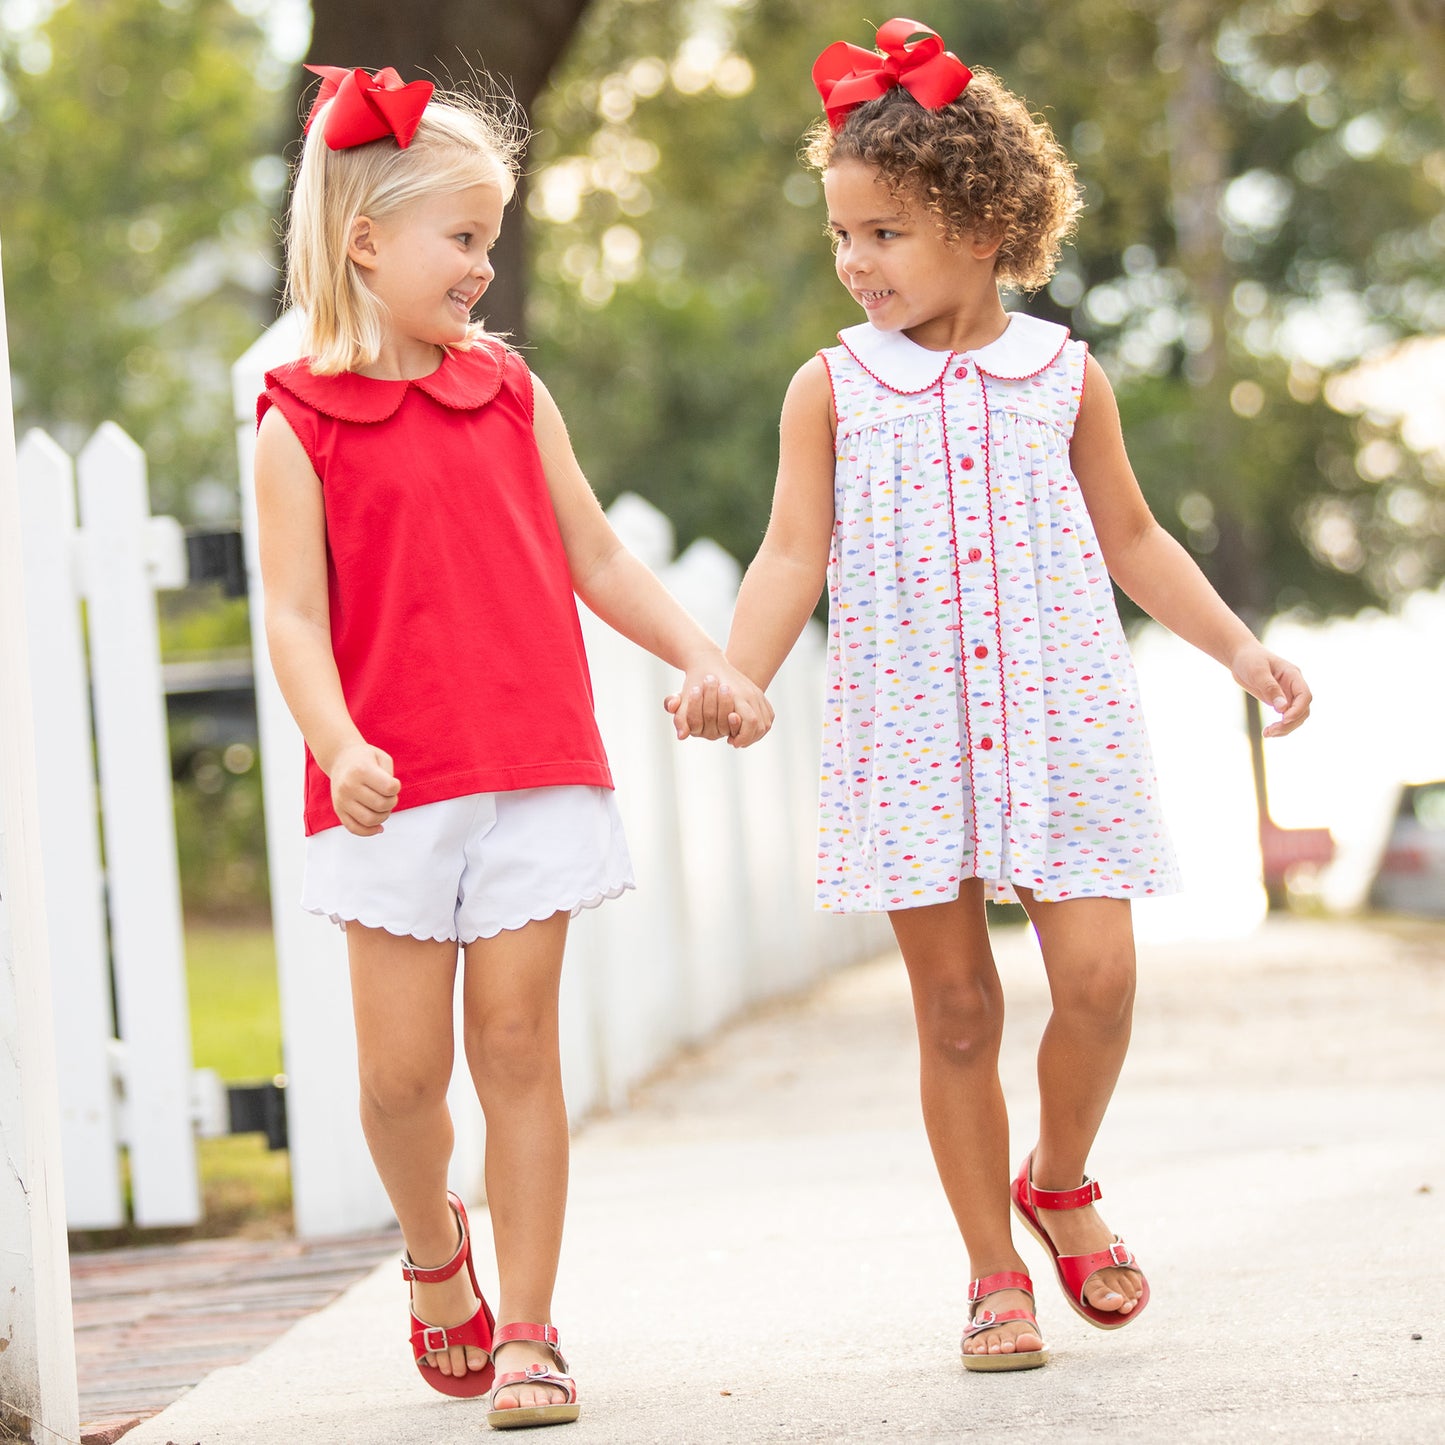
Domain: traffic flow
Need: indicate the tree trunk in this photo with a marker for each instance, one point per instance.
(448, 41)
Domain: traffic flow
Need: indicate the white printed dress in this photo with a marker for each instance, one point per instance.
(983, 716)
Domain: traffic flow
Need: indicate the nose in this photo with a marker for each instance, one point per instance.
(483, 269)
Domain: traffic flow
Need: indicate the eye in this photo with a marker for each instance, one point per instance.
(888, 235)
(465, 237)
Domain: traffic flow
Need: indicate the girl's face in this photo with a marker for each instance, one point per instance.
(428, 263)
(897, 264)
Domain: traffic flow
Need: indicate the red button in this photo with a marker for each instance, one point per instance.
(967, 464)
(961, 372)
(985, 744)
(980, 651)
(974, 555)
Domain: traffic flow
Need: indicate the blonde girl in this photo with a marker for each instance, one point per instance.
(424, 526)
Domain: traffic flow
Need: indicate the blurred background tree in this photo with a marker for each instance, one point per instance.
(1264, 183)
(1264, 188)
(139, 179)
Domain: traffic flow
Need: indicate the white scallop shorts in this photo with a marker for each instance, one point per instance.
(470, 867)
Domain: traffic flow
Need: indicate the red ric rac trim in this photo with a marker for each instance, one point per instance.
(958, 606)
(832, 388)
(997, 609)
(898, 390)
(1023, 375)
(1083, 382)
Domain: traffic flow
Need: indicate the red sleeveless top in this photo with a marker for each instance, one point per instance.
(453, 620)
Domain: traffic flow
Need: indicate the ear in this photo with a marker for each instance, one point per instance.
(361, 243)
(983, 246)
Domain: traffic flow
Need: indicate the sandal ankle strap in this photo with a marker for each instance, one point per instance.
(989, 1284)
(445, 1271)
(1079, 1198)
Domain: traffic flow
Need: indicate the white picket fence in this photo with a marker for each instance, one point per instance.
(722, 843)
(137, 1092)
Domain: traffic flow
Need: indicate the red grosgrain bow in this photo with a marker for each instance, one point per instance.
(847, 75)
(366, 107)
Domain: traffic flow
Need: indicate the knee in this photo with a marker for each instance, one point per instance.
(513, 1047)
(400, 1089)
(1101, 995)
(961, 1022)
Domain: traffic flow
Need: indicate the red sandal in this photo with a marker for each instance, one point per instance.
(476, 1333)
(1075, 1270)
(560, 1412)
(980, 1320)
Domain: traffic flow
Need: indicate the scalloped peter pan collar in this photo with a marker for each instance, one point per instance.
(464, 381)
(1027, 346)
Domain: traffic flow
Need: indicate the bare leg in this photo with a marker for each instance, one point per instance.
(510, 993)
(401, 991)
(958, 1007)
(1088, 948)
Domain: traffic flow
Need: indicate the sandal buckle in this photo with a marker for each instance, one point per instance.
(1120, 1253)
(426, 1340)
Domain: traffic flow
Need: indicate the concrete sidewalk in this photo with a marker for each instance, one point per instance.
(760, 1250)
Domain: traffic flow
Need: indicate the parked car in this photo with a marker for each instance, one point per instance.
(1411, 874)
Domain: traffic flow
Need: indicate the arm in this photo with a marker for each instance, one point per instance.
(1158, 573)
(787, 575)
(627, 596)
(292, 528)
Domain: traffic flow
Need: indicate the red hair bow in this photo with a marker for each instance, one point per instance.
(366, 107)
(847, 75)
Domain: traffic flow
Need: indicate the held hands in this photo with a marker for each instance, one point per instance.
(1276, 683)
(364, 788)
(720, 703)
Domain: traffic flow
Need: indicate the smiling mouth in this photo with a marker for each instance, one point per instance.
(463, 300)
(873, 298)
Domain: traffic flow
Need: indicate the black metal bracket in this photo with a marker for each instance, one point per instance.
(259, 1109)
(217, 557)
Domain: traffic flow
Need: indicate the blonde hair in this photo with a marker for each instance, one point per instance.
(460, 142)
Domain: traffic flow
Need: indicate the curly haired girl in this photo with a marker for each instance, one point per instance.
(955, 474)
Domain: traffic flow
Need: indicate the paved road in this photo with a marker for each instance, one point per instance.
(758, 1252)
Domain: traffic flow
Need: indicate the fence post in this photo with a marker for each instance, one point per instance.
(637, 981)
(37, 1366)
(69, 835)
(135, 786)
(334, 1188)
(723, 930)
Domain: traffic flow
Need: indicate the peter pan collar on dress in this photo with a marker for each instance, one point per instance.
(464, 381)
(1027, 346)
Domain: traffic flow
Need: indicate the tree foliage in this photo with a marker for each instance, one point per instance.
(136, 224)
(1263, 179)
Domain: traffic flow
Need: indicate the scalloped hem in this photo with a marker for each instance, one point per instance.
(490, 930)
(397, 930)
(521, 920)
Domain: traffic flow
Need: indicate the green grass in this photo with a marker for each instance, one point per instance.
(235, 1007)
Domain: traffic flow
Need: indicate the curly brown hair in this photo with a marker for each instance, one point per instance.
(981, 164)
